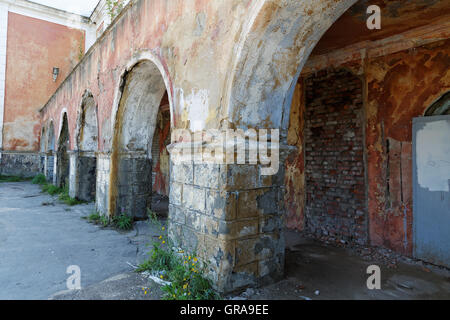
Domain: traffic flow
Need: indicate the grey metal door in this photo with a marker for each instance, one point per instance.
(431, 174)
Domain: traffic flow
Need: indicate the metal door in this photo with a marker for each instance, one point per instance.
(431, 174)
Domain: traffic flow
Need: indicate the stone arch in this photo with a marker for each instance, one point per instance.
(83, 163)
(142, 56)
(62, 153)
(139, 97)
(441, 107)
(275, 45)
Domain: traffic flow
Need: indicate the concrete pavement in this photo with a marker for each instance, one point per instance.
(40, 238)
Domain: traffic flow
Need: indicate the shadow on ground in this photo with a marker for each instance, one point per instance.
(320, 272)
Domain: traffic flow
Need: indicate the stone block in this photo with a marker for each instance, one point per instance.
(221, 204)
(242, 177)
(176, 193)
(230, 230)
(209, 175)
(259, 248)
(193, 220)
(194, 198)
(183, 173)
(176, 214)
(258, 202)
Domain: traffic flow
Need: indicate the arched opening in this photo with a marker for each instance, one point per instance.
(143, 90)
(161, 160)
(351, 121)
(440, 107)
(343, 99)
(62, 155)
(87, 142)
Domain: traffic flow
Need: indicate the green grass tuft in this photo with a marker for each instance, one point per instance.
(123, 222)
(64, 197)
(39, 179)
(94, 218)
(51, 189)
(104, 221)
(13, 179)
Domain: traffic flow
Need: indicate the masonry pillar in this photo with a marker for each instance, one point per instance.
(62, 169)
(73, 174)
(55, 169)
(231, 217)
(134, 185)
(49, 166)
(82, 177)
(102, 183)
(42, 163)
(124, 184)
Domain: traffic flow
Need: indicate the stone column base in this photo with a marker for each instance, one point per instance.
(83, 170)
(231, 217)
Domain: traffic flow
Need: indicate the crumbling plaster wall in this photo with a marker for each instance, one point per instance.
(87, 131)
(195, 44)
(400, 87)
(192, 43)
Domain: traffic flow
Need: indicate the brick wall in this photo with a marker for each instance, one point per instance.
(335, 174)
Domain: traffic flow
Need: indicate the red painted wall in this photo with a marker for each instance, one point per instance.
(34, 47)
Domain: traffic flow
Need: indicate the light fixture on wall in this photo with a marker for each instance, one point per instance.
(55, 73)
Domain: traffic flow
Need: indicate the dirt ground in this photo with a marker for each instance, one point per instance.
(322, 272)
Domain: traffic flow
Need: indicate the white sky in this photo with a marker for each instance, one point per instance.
(83, 7)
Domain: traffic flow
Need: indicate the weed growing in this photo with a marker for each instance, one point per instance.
(122, 222)
(184, 272)
(13, 179)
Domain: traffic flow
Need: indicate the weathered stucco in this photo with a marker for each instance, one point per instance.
(29, 82)
(400, 87)
(295, 164)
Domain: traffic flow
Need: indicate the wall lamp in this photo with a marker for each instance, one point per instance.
(55, 73)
